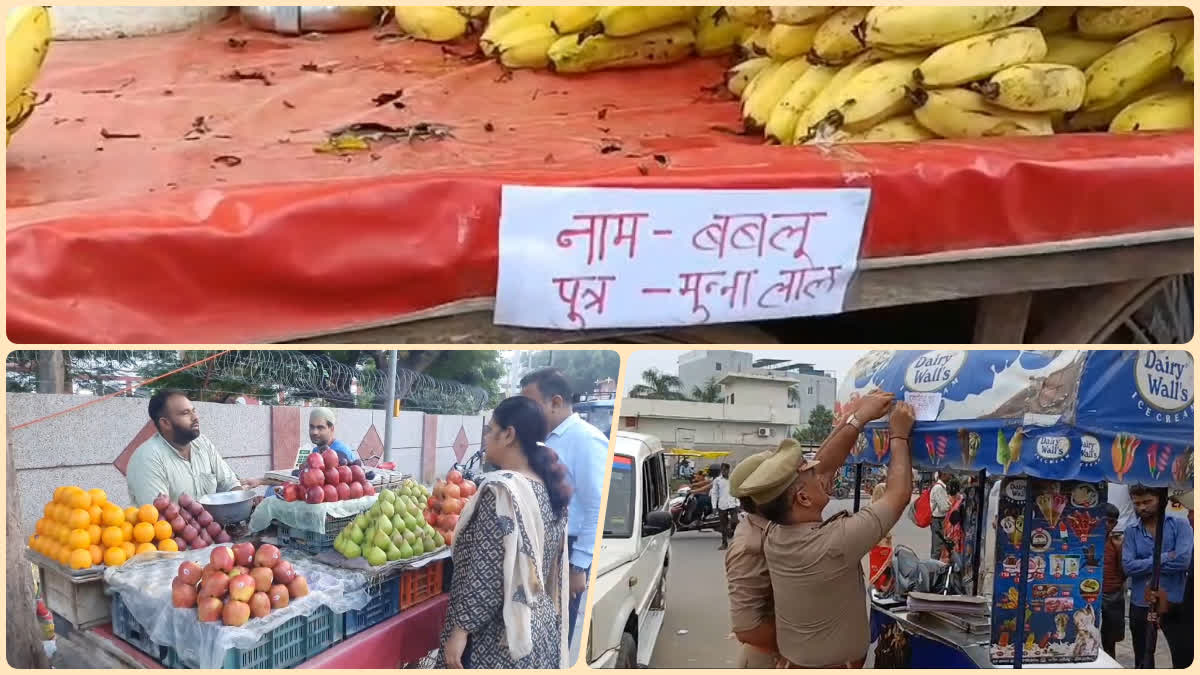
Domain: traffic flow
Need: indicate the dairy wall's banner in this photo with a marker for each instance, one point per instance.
(1120, 416)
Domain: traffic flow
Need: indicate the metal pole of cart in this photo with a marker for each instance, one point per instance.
(979, 520)
(857, 486)
(1153, 618)
(1023, 579)
(390, 411)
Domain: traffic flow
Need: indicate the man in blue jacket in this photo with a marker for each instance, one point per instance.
(1137, 557)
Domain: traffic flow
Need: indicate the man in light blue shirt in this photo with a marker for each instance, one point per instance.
(584, 450)
(1137, 558)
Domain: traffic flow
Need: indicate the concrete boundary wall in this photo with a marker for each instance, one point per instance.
(91, 447)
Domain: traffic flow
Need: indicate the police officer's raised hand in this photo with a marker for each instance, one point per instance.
(900, 423)
(874, 405)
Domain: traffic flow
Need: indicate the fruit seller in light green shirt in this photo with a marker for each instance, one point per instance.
(178, 459)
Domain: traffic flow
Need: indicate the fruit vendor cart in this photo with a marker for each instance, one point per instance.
(226, 163)
(1055, 428)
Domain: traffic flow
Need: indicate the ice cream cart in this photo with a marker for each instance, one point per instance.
(1054, 427)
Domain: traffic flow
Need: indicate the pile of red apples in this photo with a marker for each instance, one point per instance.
(327, 478)
(238, 584)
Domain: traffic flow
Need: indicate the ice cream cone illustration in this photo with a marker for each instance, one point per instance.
(1181, 468)
(1124, 448)
(968, 443)
(1008, 452)
(1159, 459)
(860, 444)
(880, 440)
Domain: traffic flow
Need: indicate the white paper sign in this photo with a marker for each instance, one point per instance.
(588, 258)
(925, 405)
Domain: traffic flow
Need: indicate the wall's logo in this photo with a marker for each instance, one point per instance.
(932, 371)
(1089, 450)
(1165, 380)
(1053, 449)
(1015, 490)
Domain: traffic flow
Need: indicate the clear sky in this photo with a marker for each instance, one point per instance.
(838, 361)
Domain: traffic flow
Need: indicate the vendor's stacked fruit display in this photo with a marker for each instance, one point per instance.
(82, 528)
(193, 526)
(392, 529)
(238, 584)
(863, 74)
(449, 498)
(327, 477)
(27, 36)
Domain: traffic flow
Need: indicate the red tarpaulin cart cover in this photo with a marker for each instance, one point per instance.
(220, 223)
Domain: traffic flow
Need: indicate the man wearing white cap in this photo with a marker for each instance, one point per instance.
(320, 432)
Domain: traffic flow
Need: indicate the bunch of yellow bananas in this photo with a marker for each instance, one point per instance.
(27, 37)
(437, 24)
(870, 74)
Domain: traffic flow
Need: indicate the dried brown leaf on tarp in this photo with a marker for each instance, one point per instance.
(360, 136)
(235, 43)
(489, 127)
(199, 128)
(227, 160)
(602, 114)
(105, 133)
(314, 68)
(239, 75)
(663, 160)
(289, 105)
(340, 145)
(387, 97)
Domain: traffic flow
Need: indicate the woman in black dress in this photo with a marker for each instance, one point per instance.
(509, 593)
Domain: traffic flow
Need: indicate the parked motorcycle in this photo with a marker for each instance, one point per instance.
(682, 508)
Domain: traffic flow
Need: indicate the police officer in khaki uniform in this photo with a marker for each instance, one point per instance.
(749, 582)
(815, 565)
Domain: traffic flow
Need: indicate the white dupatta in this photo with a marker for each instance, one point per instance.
(516, 500)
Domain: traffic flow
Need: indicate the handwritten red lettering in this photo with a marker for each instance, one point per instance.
(795, 283)
(790, 232)
(700, 285)
(597, 230)
(716, 236)
(583, 294)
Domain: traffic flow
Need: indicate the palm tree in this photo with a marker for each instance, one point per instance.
(658, 385)
(709, 393)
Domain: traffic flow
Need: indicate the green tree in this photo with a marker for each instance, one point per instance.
(658, 385)
(709, 393)
(583, 368)
(820, 425)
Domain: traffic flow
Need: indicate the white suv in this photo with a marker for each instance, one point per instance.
(629, 596)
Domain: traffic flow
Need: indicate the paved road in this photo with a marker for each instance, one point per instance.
(697, 602)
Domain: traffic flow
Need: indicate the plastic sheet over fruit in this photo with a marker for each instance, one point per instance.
(145, 587)
(305, 516)
(220, 222)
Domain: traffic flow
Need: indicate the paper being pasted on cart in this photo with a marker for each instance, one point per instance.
(925, 404)
(589, 258)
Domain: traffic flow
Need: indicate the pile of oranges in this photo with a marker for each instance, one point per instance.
(80, 529)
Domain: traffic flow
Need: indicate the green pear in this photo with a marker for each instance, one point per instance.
(406, 551)
(439, 539)
(393, 553)
(362, 521)
(381, 538)
(384, 525)
(356, 533)
(352, 550)
(376, 556)
(418, 548)
(410, 522)
(398, 522)
(387, 496)
(337, 544)
(428, 544)
(388, 510)
(397, 538)
(374, 512)
(368, 536)
(410, 536)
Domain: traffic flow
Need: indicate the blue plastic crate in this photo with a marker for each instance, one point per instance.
(293, 643)
(313, 542)
(127, 628)
(383, 605)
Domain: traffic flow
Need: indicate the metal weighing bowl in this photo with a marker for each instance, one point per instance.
(310, 19)
(228, 508)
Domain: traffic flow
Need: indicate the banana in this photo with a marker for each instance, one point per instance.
(1100, 120)
(975, 58)
(763, 75)
(582, 54)
(430, 22)
(514, 18)
(572, 19)
(473, 11)
(759, 17)
(1184, 62)
(961, 113)
(909, 29)
(1137, 61)
(1036, 87)
(836, 40)
(903, 129)
(738, 77)
(1052, 20)
(756, 111)
(781, 126)
(18, 112)
(878, 93)
(787, 42)
(716, 31)
(626, 20)
(27, 35)
(826, 101)
(1110, 23)
(754, 42)
(499, 11)
(1072, 50)
(798, 15)
(1168, 111)
(527, 46)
